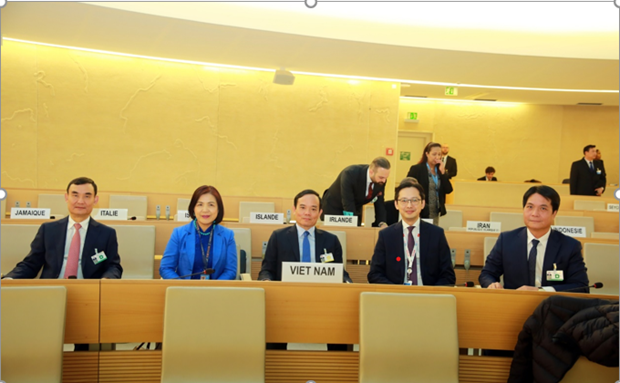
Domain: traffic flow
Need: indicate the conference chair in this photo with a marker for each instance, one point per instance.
(587, 222)
(136, 246)
(33, 332)
(219, 342)
(55, 202)
(509, 221)
(408, 338)
(246, 207)
(585, 371)
(602, 263)
(15, 243)
(182, 204)
(243, 239)
(452, 219)
(342, 237)
(135, 205)
(589, 205)
(603, 235)
(369, 215)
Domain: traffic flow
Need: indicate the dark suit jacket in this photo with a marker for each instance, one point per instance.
(451, 168)
(48, 248)
(283, 246)
(509, 258)
(420, 173)
(348, 193)
(583, 181)
(484, 178)
(389, 262)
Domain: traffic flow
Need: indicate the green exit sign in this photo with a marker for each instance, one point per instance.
(412, 116)
(452, 91)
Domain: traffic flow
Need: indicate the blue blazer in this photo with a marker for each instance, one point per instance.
(509, 258)
(178, 259)
(388, 260)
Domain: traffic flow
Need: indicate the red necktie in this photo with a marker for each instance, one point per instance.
(74, 253)
(369, 196)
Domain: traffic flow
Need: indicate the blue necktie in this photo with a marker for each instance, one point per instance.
(305, 255)
(592, 166)
(531, 261)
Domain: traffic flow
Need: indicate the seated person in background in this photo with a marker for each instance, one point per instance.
(525, 255)
(489, 173)
(202, 247)
(64, 248)
(411, 252)
(302, 242)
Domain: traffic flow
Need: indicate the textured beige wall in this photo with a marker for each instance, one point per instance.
(143, 125)
(520, 141)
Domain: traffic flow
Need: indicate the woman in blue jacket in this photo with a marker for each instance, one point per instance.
(202, 246)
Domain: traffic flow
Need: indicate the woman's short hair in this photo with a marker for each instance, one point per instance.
(202, 190)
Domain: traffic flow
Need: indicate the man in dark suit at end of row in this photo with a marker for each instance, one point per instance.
(76, 246)
(587, 176)
(535, 257)
(356, 186)
(411, 252)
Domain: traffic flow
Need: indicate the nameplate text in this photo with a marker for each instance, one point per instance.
(111, 214)
(484, 227)
(274, 218)
(29, 213)
(312, 272)
(340, 220)
(571, 231)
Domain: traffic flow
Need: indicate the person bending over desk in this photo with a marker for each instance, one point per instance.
(202, 249)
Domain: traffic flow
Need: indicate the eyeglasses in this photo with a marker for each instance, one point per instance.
(405, 202)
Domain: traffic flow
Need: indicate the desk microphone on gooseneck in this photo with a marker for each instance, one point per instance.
(596, 285)
(204, 272)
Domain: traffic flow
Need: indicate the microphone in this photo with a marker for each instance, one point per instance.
(72, 277)
(204, 272)
(596, 285)
(466, 284)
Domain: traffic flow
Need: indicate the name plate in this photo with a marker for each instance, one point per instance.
(427, 220)
(613, 207)
(340, 220)
(183, 216)
(312, 272)
(30, 213)
(484, 227)
(571, 231)
(111, 214)
(277, 218)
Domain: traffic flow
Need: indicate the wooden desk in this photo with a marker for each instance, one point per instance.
(82, 321)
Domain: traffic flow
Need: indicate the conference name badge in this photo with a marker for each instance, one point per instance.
(205, 277)
(555, 275)
(376, 197)
(98, 257)
(327, 257)
(598, 171)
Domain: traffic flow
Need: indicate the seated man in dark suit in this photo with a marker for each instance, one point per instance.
(292, 244)
(526, 256)
(489, 172)
(66, 248)
(411, 252)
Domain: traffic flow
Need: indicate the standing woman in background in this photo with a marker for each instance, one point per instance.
(201, 246)
(430, 172)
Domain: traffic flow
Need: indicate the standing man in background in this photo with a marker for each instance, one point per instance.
(449, 162)
(587, 176)
(356, 186)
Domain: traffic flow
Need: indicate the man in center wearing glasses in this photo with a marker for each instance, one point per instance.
(411, 252)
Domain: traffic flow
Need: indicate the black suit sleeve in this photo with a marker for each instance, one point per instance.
(114, 269)
(493, 267)
(602, 178)
(574, 178)
(34, 261)
(446, 185)
(380, 213)
(269, 268)
(447, 276)
(337, 253)
(347, 190)
(378, 267)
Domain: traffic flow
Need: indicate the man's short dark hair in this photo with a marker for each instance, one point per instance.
(545, 191)
(588, 147)
(82, 181)
(409, 182)
(202, 190)
(380, 162)
(306, 192)
(489, 169)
